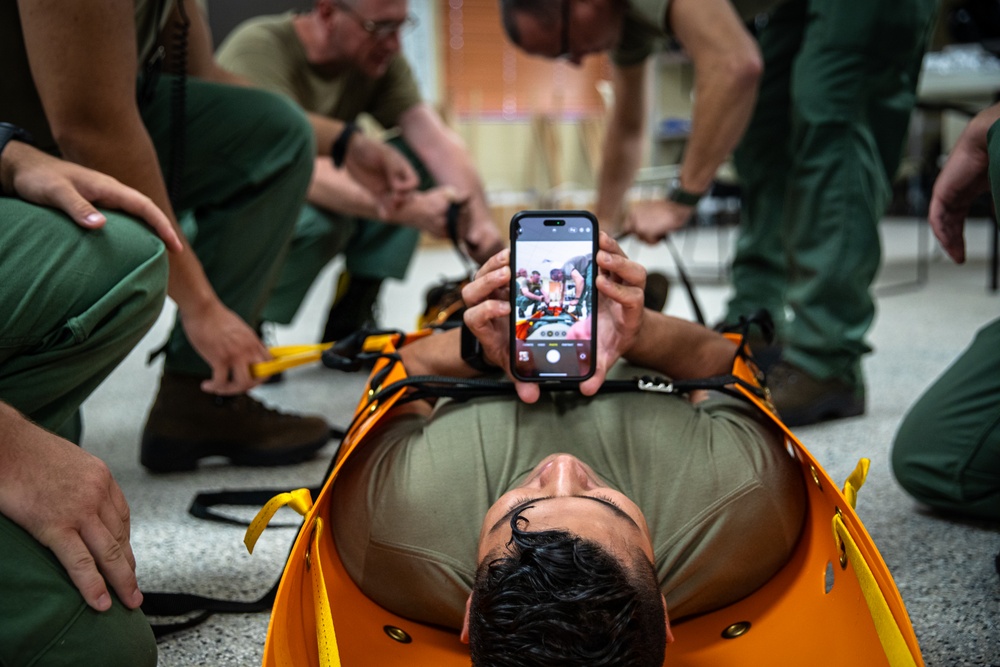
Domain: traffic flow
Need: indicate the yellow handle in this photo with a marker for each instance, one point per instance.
(299, 500)
(290, 356)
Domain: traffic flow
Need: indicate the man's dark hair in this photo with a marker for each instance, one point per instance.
(547, 12)
(557, 600)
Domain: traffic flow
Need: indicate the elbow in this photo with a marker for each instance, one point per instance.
(746, 70)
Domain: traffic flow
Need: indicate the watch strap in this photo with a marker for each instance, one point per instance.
(338, 150)
(472, 352)
(676, 193)
(9, 131)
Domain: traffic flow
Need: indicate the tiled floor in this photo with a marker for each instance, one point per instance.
(943, 568)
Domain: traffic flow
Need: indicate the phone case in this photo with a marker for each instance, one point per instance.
(553, 323)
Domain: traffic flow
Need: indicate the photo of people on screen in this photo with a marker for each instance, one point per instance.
(553, 300)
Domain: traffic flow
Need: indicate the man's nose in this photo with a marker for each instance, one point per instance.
(564, 476)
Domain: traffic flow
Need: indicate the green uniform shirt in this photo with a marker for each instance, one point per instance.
(646, 22)
(267, 51)
(723, 499)
(19, 101)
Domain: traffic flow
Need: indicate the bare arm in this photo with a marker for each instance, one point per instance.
(727, 68)
(622, 143)
(446, 157)
(87, 87)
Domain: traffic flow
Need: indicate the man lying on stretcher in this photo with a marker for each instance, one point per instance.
(559, 529)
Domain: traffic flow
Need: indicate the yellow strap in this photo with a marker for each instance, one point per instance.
(886, 626)
(855, 481)
(326, 637)
(290, 356)
(299, 500)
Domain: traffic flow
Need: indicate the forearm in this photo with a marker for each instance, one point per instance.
(623, 144)
(727, 69)
(334, 190)
(327, 130)
(680, 349)
(724, 102)
(437, 354)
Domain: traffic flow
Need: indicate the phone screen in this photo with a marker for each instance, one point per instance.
(553, 301)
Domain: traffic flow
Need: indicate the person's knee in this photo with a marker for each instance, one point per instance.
(282, 126)
(141, 266)
(924, 460)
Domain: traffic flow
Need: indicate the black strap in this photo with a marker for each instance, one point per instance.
(421, 386)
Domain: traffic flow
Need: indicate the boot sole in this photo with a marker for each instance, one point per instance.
(163, 455)
(837, 407)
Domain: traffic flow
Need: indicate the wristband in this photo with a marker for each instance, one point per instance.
(8, 132)
(676, 193)
(472, 352)
(338, 150)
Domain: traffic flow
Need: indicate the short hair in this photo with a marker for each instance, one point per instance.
(547, 12)
(556, 599)
(557, 274)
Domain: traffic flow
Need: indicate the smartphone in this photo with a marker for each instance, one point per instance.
(553, 301)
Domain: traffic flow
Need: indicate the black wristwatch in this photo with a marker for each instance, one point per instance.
(472, 352)
(338, 150)
(676, 193)
(9, 131)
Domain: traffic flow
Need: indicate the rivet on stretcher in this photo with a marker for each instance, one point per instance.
(815, 476)
(373, 407)
(397, 634)
(736, 630)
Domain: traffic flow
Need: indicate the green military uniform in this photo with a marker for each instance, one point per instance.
(248, 160)
(723, 499)
(74, 303)
(815, 165)
(833, 111)
(267, 51)
(947, 451)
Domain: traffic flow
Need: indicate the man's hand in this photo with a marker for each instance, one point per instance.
(382, 170)
(41, 179)
(68, 501)
(963, 178)
(620, 282)
(652, 221)
(427, 211)
(228, 345)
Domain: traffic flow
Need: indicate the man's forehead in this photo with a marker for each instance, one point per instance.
(379, 7)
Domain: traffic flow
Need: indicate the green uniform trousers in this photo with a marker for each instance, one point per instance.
(947, 451)
(248, 158)
(74, 302)
(816, 162)
(372, 249)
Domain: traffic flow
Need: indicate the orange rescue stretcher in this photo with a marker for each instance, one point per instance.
(833, 604)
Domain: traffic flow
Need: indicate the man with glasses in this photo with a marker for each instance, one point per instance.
(818, 105)
(337, 61)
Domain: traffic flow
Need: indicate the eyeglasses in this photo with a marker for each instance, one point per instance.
(564, 52)
(379, 29)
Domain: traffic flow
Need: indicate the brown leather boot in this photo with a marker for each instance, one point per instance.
(186, 425)
(802, 399)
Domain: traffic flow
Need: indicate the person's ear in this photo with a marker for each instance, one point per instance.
(666, 616)
(464, 637)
